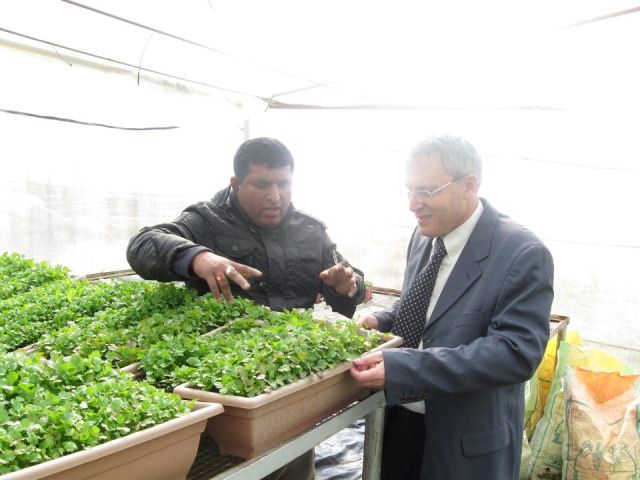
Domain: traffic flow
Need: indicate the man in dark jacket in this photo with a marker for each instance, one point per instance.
(250, 241)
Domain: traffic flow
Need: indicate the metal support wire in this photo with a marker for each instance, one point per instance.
(604, 17)
(81, 122)
(129, 65)
(191, 42)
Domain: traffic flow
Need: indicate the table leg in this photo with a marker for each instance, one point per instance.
(372, 458)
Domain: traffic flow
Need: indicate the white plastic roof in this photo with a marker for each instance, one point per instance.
(116, 114)
(448, 54)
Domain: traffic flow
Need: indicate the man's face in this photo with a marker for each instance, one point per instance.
(264, 194)
(446, 209)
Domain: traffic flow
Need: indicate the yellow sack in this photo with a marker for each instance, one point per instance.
(531, 406)
(546, 442)
(545, 370)
(601, 439)
(543, 377)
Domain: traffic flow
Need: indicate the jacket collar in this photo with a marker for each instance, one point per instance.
(227, 200)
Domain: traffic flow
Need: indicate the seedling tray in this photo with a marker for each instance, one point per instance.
(251, 426)
(162, 452)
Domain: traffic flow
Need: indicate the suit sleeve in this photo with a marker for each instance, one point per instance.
(387, 317)
(509, 353)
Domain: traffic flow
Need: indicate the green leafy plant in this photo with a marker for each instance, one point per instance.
(58, 309)
(25, 317)
(20, 274)
(51, 408)
(257, 354)
(122, 335)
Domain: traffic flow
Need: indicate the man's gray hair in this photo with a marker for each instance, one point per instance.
(458, 156)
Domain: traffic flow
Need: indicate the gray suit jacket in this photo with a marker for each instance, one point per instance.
(486, 336)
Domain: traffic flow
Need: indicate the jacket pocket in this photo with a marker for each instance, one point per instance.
(305, 266)
(483, 443)
(235, 248)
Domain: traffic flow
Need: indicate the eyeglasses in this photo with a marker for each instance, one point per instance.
(424, 194)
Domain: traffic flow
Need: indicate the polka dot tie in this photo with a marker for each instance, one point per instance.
(412, 314)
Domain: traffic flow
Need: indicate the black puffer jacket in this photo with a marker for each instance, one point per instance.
(290, 256)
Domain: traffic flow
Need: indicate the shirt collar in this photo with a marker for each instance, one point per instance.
(455, 240)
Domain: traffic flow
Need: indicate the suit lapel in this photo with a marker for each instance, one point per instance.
(467, 269)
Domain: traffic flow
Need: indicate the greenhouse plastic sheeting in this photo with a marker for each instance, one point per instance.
(340, 456)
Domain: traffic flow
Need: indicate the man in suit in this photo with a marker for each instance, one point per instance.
(476, 332)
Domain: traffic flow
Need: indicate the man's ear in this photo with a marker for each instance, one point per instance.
(234, 183)
(471, 183)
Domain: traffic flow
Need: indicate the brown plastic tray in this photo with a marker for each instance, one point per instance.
(251, 426)
(162, 452)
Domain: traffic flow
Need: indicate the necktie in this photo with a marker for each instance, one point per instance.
(413, 310)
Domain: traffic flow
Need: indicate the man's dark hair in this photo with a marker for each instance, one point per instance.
(261, 151)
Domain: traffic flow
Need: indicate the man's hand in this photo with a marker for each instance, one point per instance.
(368, 321)
(341, 279)
(369, 371)
(217, 271)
